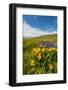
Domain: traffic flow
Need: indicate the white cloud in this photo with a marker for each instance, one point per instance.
(29, 31)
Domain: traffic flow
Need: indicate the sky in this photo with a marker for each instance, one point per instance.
(34, 26)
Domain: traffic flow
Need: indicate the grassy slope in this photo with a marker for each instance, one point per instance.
(31, 43)
(44, 38)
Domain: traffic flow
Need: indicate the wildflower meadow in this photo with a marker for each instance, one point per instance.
(40, 55)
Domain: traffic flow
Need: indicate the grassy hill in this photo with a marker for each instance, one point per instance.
(52, 38)
(29, 44)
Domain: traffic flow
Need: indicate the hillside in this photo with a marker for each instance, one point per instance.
(30, 43)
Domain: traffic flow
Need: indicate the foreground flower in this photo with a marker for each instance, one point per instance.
(50, 66)
(33, 62)
(35, 51)
(43, 50)
(39, 57)
(52, 49)
(39, 53)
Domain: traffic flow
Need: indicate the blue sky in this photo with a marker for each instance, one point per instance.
(39, 25)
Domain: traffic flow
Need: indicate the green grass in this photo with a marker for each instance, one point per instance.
(29, 44)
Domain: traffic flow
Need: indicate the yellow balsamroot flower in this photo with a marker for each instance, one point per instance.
(39, 53)
(43, 50)
(39, 57)
(35, 51)
(38, 50)
(52, 49)
(33, 62)
(50, 66)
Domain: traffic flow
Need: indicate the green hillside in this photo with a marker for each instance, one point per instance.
(52, 38)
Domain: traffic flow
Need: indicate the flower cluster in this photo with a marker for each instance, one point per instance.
(44, 60)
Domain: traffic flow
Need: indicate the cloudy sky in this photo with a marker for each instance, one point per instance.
(34, 26)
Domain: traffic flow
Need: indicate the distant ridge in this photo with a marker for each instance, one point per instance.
(40, 36)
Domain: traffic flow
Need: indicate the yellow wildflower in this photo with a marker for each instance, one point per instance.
(38, 50)
(35, 51)
(50, 66)
(39, 57)
(43, 49)
(33, 62)
(39, 53)
(52, 49)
